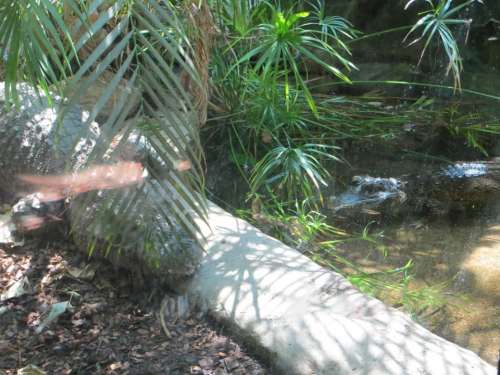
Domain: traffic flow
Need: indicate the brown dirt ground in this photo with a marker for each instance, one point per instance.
(108, 331)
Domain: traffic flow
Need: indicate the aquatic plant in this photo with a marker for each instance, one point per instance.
(282, 45)
(295, 170)
(262, 91)
(435, 23)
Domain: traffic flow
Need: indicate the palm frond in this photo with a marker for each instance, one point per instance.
(148, 45)
(435, 24)
(297, 170)
(139, 49)
(35, 43)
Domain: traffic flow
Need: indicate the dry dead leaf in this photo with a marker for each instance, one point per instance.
(78, 322)
(17, 289)
(31, 370)
(267, 137)
(85, 273)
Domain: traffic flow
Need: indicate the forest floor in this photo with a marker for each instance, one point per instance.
(97, 328)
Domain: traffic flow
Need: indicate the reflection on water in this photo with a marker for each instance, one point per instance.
(466, 258)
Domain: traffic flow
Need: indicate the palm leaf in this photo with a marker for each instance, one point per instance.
(435, 24)
(35, 43)
(144, 49)
(142, 36)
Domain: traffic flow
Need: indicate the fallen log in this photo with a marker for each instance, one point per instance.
(311, 320)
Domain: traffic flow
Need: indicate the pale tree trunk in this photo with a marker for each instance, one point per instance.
(201, 33)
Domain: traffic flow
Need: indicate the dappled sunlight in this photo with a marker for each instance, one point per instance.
(296, 100)
(458, 266)
(483, 262)
(311, 317)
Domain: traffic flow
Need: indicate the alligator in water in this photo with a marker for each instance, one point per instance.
(456, 187)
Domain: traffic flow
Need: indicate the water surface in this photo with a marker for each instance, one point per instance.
(464, 258)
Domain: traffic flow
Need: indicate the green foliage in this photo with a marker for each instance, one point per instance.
(264, 95)
(260, 84)
(435, 23)
(35, 42)
(282, 46)
(299, 225)
(263, 92)
(306, 227)
(418, 301)
(476, 128)
(283, 135)
(332, 28)
(376, 283)
(295, 170)
(392, 285)
(239, 17)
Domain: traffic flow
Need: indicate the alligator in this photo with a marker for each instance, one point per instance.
(35, 143)
(457, 187)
